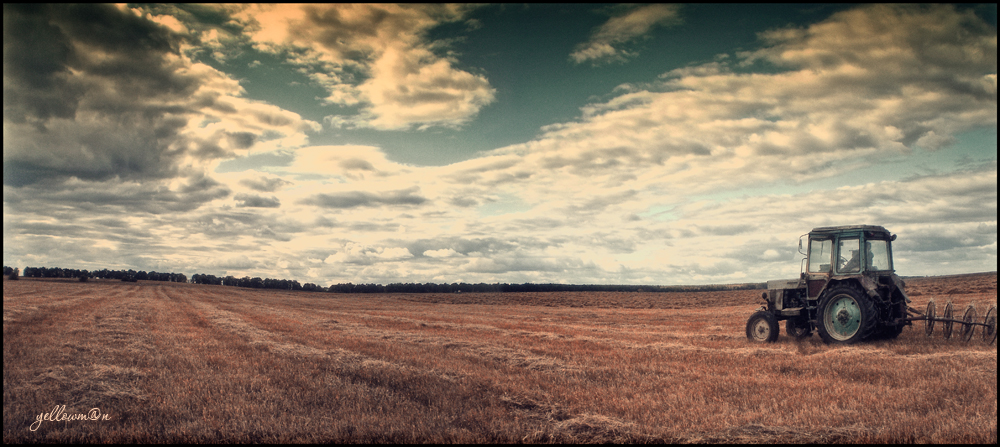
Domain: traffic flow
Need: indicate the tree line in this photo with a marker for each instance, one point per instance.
(123, 275)
(285, 284)
(254, 283)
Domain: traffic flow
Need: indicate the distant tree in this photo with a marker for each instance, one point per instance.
(340, 288)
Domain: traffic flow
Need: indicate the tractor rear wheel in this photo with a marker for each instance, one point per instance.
(762, 327)
(846, 315)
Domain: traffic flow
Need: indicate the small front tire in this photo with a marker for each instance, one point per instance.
(762, 327)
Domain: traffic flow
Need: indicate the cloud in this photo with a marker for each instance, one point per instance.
(605, 45)
(350, 162)
(353, 253)
(443, 253)
(712, 128)
(236, 263)
(117, 196)
(375, 57)
(255, 201)
(264, 184)
(112, 96)
(353, 199)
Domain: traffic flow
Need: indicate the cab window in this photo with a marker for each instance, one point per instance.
(849, 255)
(819, 255)
(878, 254)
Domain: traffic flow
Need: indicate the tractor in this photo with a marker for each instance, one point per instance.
(849, 292)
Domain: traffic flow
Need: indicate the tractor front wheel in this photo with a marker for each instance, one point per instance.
(846, 315)
(762, 327)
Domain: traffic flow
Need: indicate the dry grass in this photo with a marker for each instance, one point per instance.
(186, 363)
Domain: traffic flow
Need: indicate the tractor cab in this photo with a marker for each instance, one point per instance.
(837, 253)
(848, 292)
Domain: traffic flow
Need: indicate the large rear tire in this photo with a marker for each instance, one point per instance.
(762, 327)
(846, 315)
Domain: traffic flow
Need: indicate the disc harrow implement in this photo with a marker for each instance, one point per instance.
(947, 319)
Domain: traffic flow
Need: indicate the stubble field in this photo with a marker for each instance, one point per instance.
(192, 363)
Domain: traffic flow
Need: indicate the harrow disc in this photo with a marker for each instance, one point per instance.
(949, 313)
(990, 331)
(930, 314)
(968, 328)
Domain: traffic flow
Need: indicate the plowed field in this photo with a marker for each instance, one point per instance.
(190, 363)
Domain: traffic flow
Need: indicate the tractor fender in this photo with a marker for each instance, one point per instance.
(900, 287)
(870, 286)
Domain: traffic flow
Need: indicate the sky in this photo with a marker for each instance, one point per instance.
(581, 144)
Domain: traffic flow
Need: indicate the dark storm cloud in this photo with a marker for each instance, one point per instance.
(354, 199)
(97, 92)
(40, 50)
(86, 79)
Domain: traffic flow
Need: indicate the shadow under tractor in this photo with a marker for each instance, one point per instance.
(849, 292)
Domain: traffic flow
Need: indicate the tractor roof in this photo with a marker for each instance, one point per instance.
(843, 228)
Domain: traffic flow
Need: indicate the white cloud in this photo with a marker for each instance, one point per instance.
(375, 56)
(353, 253)
(605, 44)
(443, 253)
